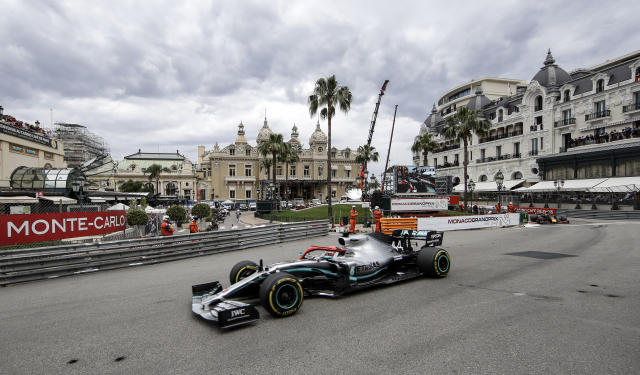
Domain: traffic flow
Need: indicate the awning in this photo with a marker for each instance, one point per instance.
(19, 199)
(60, 199)
(618, 185)
(489, 186)
(569, 185)
(347, 167)
(97, 199)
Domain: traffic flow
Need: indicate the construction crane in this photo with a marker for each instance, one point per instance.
(371, 127)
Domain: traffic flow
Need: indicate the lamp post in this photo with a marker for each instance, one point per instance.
(558, 183)
(471, 186)
(365, 187)
(499, 180)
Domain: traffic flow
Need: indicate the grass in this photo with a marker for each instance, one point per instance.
(339, 211)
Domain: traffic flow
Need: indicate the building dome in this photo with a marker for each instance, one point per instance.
(479, 101)
(433, 123)
(318, 136)
(551, 75)
(294, 141)
(264, 133)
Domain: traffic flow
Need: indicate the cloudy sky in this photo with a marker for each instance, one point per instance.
(168, 75)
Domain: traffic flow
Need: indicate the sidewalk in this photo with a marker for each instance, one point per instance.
(248, 218)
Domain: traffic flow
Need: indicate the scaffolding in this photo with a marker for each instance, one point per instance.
(80, 145)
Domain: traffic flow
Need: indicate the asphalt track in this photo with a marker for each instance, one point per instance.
(494, 314)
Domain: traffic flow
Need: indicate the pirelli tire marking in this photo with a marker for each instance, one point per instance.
(242, 271)
(441, 263)
(277, 288)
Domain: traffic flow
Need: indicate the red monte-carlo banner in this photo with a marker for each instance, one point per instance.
(19, 229)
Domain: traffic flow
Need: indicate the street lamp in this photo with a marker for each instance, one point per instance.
(558, 183)
(471, 186)
(499, 180)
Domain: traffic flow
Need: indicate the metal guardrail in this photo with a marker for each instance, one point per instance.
(600, 214)
(23, 265)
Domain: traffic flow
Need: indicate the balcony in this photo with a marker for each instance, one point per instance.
(498, 158)
(597, 115)
(533, 153)
(565, 122)
(536, 127)
(447, 148)
(631, 108)
(448, 165)
(610, 137)
(500, 136)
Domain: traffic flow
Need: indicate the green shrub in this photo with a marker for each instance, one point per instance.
(201, 210)
(143, 202)
(137, 217)
(177, 213)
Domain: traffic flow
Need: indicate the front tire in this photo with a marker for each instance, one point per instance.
(241, 270)
(434, 262)
(281, 294)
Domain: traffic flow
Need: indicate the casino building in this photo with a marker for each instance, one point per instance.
(235, 171)
(581, 127)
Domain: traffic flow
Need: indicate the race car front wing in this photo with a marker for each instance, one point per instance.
(227, 313)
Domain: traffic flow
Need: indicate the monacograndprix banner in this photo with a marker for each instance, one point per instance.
(468, 222)
(419, 204)
(19, 229)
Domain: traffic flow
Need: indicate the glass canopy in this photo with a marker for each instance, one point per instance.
(47, 180)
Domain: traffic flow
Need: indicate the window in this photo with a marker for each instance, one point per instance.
(346, 154)
(24, 150)
(334, 172)
(483, 153)
(319, 149)
(498, 151)
(566, 115)
(333, 194)
(483, 178)
(347, 173)
(534, 146)
(492, 116)
(500, 115)
(455, 159)
(16, 148)
(248, 170)
(232, 151)
(600, 85)
(471, 155)
(599, 108)
(541, 143)
(232, 194)
(292, 170)
(516, 109)
(48, 166)
(48, 155)
(516, 149)
(232, 170)
(538, 103)
(305, 171)
(247, 152)
(279, 170)
(247, 193)
(516, 176)
(319, 171)
(636, 98)
(333, 154)
(446, 160)
(208, 172)
(637, 79)
(565, 96)
(435, 162)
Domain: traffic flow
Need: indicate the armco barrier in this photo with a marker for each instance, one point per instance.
(50, 262)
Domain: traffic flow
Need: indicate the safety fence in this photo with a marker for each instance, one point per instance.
(23, 265)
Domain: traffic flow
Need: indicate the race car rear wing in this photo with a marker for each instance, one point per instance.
(431, 237)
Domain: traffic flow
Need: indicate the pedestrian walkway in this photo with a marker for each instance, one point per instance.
(249, 218)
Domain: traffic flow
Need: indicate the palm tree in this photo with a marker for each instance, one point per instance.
(425, 144)
(154, 171)
(460, 127)
(364, 155)
(272, 146)
(326, 95)
(266, 165)
(288, 155)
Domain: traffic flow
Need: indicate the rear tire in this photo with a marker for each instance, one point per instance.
(434, 262)
(281, 294)
(241, 270)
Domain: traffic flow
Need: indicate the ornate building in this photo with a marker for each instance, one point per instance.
(579, 125)
(236, 171)
(177, 179)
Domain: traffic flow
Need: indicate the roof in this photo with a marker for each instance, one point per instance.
(155, 156)
(551, 75)
(569, 185)
(479, 101)
(607, 147)
(618, 185)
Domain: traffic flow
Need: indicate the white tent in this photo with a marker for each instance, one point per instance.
(569, 185)
(151, 210)
(618, 185)
(118, 207)
(488, 186)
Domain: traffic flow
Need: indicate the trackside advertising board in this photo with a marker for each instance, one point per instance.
(535, 210)
(19, 229)
(435, 203)
(468, 222)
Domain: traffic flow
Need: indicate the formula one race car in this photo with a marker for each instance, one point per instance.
(361, 261)
(548, 218)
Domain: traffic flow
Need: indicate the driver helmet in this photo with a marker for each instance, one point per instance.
(377, 208)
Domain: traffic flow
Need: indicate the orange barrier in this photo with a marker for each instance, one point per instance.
(392, 223)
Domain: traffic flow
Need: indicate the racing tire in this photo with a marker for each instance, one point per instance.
(241, 270)
(434, 262)
(281, 294)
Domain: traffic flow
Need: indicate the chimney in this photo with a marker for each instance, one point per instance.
(1, 110)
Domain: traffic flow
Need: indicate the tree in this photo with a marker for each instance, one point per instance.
(364, 155)
(137, 217)
(425, 144)
(266, 165)
(177, 213)
(272, 146)
(326, 95)
(201, 210)
(132, 186)
(460, 127)
(154, 172)
(288, 155)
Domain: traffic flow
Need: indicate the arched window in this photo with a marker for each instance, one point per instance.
(47, 166)
(483, 178)
(456, 180)
(516, 176)
(600, 85)
(132, 167)
(637, 79)
(565, 96)
(149, 187)
(538, 104)
(319, 149)
(500, 115)
(171, 189)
